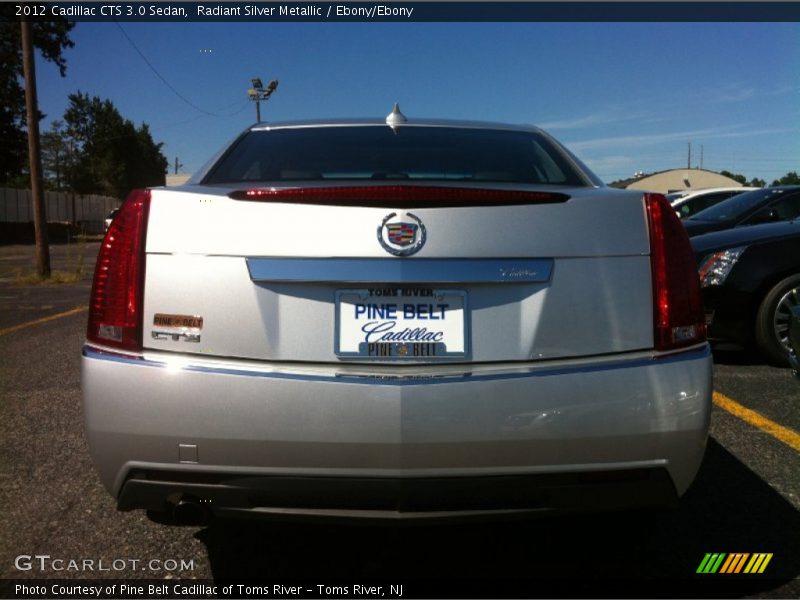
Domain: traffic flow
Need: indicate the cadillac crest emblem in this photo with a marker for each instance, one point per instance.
(401, 237)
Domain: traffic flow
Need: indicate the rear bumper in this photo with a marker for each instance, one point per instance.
(446, 440)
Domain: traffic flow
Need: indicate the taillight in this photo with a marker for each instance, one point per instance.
(115, 309)
(677, 303)
(398, 195)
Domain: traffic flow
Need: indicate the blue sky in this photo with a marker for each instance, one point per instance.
(625, 97)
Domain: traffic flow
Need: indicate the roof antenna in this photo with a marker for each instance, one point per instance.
(395, 118)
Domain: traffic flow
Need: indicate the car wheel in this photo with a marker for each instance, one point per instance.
(772, 320)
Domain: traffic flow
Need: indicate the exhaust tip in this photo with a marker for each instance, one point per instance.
(190, 511)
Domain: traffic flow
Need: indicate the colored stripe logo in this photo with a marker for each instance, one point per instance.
(737, 562)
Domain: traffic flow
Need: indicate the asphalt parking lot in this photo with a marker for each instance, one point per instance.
(746, 498)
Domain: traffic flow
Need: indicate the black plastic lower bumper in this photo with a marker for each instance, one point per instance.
(400, 498)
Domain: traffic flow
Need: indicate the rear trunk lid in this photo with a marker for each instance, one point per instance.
(315, 282)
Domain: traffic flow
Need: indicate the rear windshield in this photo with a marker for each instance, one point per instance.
(736, 206)
(379, 152)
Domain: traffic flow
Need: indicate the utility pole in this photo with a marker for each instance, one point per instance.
(257, 93)
(689, 159)
(34, 154)
(701, 156)
(177, 165)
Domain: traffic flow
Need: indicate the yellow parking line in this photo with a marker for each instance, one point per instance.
(784, 434)
(66, 313)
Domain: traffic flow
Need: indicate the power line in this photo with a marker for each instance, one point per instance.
(195, 118)
(167, 83)
(766, 160)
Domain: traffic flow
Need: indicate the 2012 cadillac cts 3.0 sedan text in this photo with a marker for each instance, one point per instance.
(392, 319)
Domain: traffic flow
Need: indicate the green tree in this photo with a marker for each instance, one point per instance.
(112, 155)
(756, 182)
(150, 165)
(791, 178)
(51, 38)
(56, 156)
(735, 176)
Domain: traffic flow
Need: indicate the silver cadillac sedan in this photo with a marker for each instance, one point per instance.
(395, 318)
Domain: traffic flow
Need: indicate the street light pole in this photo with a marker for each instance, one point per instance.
(258, 93)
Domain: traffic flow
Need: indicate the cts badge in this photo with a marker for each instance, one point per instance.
(402, 237)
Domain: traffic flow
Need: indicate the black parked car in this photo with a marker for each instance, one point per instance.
(767, 205)
(794, 340)
(750, 278)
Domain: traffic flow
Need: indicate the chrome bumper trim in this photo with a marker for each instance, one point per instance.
(400, 376)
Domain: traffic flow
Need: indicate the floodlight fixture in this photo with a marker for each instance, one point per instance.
(257, 93)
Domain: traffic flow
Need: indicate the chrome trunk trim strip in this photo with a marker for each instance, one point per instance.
(393, 270)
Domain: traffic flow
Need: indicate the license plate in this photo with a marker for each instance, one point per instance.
(401, 323)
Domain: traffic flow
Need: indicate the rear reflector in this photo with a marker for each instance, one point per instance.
(115, 309)
(388, 196)
(677, 303)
